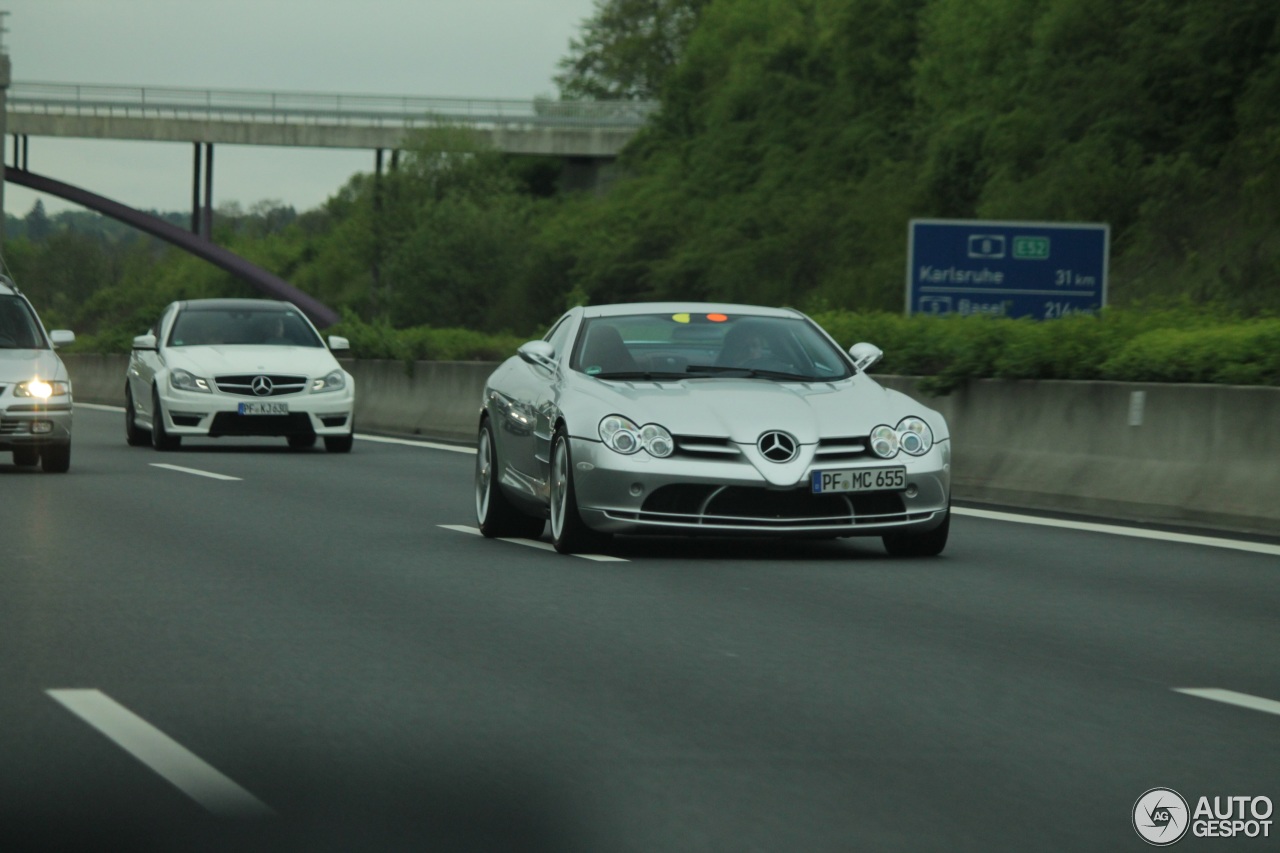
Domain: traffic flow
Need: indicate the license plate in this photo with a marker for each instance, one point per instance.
(859, 480)
(264, 408)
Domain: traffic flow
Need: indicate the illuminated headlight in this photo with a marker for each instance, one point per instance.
(914, 436)
(623, 436)
(335, 381)
(884, 442)
(40, 388)
(184, 380)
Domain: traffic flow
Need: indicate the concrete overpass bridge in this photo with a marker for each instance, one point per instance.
(587, 135)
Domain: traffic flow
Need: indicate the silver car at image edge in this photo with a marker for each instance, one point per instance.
(706, 419)
(237, 367)
(35, 390)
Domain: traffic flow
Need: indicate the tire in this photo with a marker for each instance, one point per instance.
(302, 442)
(133, 434)
(339, 443)
(568, 532)
(495, 514)
(160, 438)
(55, 458)
(929, 544)
(26, 456)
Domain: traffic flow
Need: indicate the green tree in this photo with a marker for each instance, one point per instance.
(627, 48)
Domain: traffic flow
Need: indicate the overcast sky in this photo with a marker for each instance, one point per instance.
(443, 48)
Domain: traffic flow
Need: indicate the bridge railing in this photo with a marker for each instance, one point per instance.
(317, 108)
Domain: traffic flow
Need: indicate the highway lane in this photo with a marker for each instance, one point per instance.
(320, 635)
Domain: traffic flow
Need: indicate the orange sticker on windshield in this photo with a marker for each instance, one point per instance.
(717, 318)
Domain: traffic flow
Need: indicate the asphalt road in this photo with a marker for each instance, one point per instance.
(319, 655)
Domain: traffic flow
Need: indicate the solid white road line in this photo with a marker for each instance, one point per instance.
(1244, 700)
(410, 442)
(161, 753)
(1214, 542)
(196, 471)
(534, 543)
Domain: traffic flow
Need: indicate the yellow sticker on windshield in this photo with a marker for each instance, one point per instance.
(680, 318)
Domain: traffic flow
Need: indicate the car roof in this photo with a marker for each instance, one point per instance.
(236, 305)
(7, 287)
(686, 308)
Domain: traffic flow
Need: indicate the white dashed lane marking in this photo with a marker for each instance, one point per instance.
(1230, 697)
(211, 475)
(174, 762)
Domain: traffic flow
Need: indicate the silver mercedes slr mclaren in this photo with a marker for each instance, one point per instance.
(706, 419)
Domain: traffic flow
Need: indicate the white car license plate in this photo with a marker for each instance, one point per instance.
(859, 480)
(264, 408)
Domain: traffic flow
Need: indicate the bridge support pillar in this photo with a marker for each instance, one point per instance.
(202, 211)
(5, 68)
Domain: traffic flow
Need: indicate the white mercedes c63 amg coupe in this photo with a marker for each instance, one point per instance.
(237, 367)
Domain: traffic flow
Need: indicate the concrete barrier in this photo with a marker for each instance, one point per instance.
(1203, 455)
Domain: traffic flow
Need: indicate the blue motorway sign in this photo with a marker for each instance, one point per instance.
(1008, 269)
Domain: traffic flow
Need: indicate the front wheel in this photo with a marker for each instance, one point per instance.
(568, 531)
(160, 438)
(495, 514)
(928, 544)
(133, 434)
(55, 458)
(339, 443)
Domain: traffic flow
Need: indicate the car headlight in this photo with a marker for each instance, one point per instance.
(656, 440)
(42, 389)
(914, 436)
(623, 436)
(334, 381)
(185, 380)
(884, 442)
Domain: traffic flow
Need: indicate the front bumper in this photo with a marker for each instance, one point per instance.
(27, 424)
(676, 495)
(212, 415)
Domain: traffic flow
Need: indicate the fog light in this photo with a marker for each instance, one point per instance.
(41, 427)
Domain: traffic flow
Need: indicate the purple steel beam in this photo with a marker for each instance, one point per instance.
(265, 282)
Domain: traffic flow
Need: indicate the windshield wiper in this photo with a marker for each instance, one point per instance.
(751, 372)
(645, 375)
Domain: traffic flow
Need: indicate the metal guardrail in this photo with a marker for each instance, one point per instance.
(165, 102)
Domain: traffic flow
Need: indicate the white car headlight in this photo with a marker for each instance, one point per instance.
(623, 436)
(620, 434)
(42, 389)
(656, 440)
(185, 380)
(334, 381)
(884, 442)
(914, 436)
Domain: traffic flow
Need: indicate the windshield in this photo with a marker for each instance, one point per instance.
(232, 327)
(19, 328)
(679, 346)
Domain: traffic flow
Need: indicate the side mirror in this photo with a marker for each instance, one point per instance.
(337, 343)
(62, 337)
(865, 355)
(147, 341)
(539, 354)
